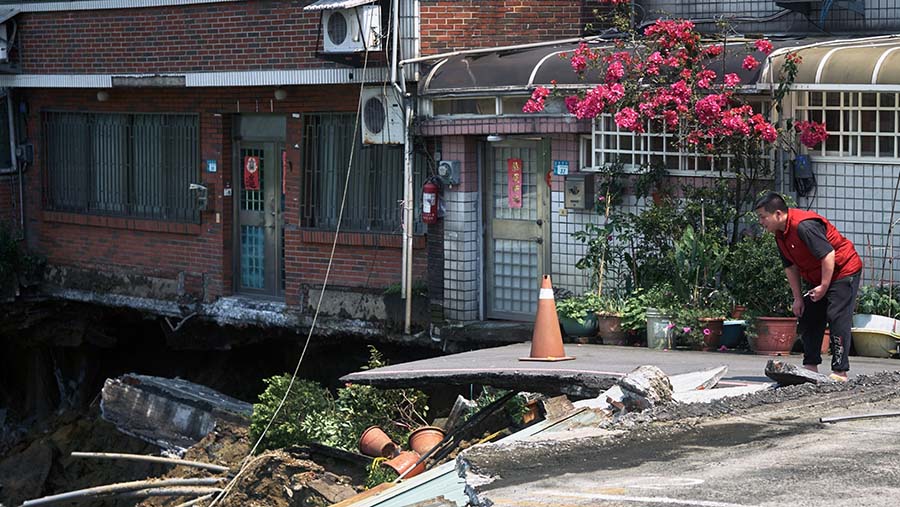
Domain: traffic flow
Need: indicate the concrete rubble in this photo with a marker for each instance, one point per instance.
(171, 413)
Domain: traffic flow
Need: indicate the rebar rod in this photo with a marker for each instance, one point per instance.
(855, 417)
(154, 459)
(195, 501)
(120, 487)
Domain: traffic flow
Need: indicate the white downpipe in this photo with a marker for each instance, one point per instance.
(395, 36)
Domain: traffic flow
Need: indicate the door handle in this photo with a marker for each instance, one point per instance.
(539, 222)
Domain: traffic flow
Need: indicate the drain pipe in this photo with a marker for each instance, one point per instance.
(400, 86)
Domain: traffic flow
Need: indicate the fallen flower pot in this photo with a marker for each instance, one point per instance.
(425, 438)
(376, 443)
(404, 461)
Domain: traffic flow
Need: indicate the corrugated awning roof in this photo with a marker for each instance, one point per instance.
(865, 62)
(322, 5)
(523, 69)
(8, 12)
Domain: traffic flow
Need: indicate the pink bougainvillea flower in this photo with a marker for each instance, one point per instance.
(811, 133)
(750, 63)
(715, 50)
(686, 329)
(706, 332)
(629, 119)
(732, 80)
(763, 46)
(536, 103)
(794, 58)
(670, 326)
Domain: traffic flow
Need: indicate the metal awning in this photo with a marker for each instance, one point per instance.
(866, 63)
(8, 12)
(520, 70)
(322, 5)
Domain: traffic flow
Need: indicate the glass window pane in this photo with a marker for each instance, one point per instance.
(867, 146)
(513, 105)
(885, 146)
(867, 121)
(888, 99)
(886, 121)
(832, 98)
(815, 98)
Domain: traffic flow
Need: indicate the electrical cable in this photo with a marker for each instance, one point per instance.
(227, 489)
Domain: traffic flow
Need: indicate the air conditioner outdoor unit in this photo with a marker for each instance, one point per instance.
(352, 30)
(382, 116)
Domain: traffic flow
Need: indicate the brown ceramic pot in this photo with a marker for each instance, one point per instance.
(775, 336)
(375, 442)
(425, 438)
(716, 327)
(609, 328)
(403, 462)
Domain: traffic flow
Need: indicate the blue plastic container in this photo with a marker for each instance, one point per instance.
(732, 333)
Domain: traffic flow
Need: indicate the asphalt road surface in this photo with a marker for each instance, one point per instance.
(773, 454)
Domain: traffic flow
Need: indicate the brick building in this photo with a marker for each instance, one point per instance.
(138, 123)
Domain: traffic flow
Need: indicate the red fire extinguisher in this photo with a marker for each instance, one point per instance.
(430, 202)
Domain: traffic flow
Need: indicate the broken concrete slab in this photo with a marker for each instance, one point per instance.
(171, 413)
(646, 386)
(707, 395)
(788, 374)
(685, 382)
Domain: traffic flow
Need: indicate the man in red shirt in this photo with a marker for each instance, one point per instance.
(812, 250)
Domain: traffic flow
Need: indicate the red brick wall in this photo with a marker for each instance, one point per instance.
(192, 38)
(449, 25)
(165, 249)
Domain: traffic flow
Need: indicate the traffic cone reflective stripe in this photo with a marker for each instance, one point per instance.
(546, 342)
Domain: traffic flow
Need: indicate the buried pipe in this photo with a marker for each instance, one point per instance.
(122, 487)
(183, 491)
(195, 501)
(855, 417)
(153, 459)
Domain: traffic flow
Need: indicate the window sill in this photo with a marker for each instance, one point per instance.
(134, 224)
(359, 238)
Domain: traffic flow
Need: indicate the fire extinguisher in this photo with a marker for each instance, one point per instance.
(430, 202)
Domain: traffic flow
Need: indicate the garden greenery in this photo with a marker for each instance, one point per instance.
(312, 414)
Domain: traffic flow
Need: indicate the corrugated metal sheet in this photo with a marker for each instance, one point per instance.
(56, 81)
(108, 4)
(8, 12)
(209, 79)
(322, 5)
(288, 77)
(441, 480)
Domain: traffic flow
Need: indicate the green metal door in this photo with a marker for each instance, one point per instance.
(517, 231)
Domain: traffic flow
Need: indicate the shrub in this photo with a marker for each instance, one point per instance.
(755, 277)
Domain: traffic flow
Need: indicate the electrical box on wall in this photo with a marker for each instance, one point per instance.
(579, 191)
(449, 172)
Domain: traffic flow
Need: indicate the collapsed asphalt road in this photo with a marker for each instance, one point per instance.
(765, 449)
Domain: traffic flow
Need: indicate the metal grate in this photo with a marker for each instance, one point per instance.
(861, 125)
(374, 202)
(135, 165)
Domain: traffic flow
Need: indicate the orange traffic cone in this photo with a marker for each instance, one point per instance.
(546, 342)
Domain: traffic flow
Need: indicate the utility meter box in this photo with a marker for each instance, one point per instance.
(579, 191)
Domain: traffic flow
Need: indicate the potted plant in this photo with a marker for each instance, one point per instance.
(609, 320)
(578, 314)
(755, 277)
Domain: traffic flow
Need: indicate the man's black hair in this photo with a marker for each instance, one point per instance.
(771, 201)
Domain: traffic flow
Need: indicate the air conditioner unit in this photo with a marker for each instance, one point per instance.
(382, 116)
(352, 30)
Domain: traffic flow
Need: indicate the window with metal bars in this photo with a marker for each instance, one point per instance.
(375, 191)
(861, 125)
(132, 165)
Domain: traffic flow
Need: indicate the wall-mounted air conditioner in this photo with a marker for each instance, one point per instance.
(352, 30)
(382, 116)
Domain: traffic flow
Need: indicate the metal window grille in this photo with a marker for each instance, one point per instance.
(862, 125)
(375, 192)
(656, 147)
(133, 165)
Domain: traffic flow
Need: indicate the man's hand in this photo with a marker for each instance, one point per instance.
(817, 293)
(798, 307)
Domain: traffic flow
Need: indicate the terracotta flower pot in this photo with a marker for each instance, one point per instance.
(403, 462)
(425, 438)
(609, 328)
(826, 342)
(375, 442)
(775, 336)
(715, 327)
(737, 313)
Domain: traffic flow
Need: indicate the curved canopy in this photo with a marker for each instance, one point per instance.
(834, 62)
(865, 62)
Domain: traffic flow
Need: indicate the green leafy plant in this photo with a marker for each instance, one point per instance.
(515, 408)
(579, 307)
(879, 300)
(698, 260)
(312, 414)
(379, 474)
(754, 276)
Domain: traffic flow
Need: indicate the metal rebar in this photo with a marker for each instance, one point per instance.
(153, 459)
(195, 501)
(855, 417)
(120, 487)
